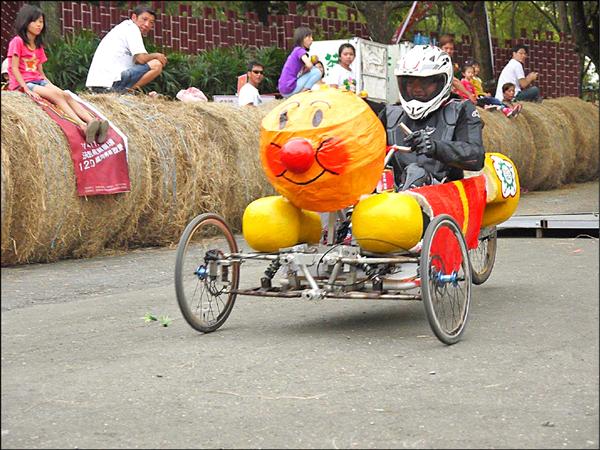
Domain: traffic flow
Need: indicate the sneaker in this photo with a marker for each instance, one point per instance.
(102, 132)
(508, 112)
(491, 107)
(517, 109)
(91, 131)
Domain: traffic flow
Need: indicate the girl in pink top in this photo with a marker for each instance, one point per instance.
(26, 57)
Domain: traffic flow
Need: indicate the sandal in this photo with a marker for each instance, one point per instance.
(91, 131)
(102, 132)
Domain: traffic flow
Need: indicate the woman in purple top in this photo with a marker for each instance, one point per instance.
(298, 72)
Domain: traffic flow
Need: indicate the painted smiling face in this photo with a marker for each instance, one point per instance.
(322, 149)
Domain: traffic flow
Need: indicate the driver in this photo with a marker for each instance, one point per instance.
(445, 134)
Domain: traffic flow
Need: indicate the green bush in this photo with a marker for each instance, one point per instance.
(213, 71)
(69, 60)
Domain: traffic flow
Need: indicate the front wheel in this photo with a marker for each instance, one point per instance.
(205, 278)
(483, 257)
(445, 278)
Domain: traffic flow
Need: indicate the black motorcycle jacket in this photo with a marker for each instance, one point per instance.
(456, 129)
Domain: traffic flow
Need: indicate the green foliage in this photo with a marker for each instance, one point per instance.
(214, 71)
(69, 60)
(272, 58)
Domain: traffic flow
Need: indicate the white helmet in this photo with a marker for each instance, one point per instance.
(424, 77)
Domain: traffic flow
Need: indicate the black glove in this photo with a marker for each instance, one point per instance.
(421, 143)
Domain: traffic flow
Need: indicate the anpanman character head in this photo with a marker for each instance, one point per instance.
(323, 149)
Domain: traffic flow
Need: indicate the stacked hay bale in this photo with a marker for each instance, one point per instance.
(185, 159)
(552, 143)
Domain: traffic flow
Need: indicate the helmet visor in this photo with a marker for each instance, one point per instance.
(422, 89)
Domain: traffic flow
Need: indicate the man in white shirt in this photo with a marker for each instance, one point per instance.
(249, 95)
(513, 73)
(121, 61)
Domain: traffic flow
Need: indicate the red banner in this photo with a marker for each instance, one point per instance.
(100, 169)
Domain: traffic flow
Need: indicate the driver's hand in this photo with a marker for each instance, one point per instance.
(421, 143)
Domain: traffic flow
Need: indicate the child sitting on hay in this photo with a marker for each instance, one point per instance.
(26, 56)
(299, 73)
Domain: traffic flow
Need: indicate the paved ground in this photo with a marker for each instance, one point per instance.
(570, 199)
(81, 368)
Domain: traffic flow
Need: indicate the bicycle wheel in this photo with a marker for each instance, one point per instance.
(204, 276)
(445, 279)
(484, 256)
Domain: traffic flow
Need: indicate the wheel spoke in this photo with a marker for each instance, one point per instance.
(446, 291)
(207, 301)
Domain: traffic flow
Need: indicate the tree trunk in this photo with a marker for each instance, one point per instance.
(378, 16)
(440, 18)
(563, 17)
(494, 29)
(473, 15)
(586, 38)
(513, 15)
(480, 41)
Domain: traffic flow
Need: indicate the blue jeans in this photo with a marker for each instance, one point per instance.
(488, 100)
(306, 81)
(32, 84)
(531, 94)
(130, 76)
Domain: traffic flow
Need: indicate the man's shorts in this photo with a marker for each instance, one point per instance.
(130, 76)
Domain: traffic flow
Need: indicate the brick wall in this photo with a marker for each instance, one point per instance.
(556, 62)
(7, 20)
(192, 34)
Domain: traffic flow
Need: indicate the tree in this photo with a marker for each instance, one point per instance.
(584, 23)
(381, 17)
(474, 17)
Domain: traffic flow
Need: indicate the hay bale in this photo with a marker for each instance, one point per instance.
(582, 119)
(6, 196)
(552, 143)
(44, 216)
(511, 137)
(185, 159)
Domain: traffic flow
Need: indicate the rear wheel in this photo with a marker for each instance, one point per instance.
(483, 257)
(445, 279)
(204, 276)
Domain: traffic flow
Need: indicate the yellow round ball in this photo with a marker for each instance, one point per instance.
(310, 227)
(271, 223)
(387, 222)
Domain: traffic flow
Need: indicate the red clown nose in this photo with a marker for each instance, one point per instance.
(297, 155)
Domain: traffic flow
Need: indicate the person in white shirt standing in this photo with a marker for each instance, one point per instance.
(340, 75)
(513, 73)
(249, 95)
(121, 62)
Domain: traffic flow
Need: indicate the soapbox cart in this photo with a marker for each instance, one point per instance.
(440, 272)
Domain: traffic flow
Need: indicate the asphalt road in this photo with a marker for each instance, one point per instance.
(82, 369)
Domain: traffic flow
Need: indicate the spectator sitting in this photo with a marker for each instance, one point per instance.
(513, 73)
(446, 43)
(298, 62)
(340, 75)
(318, 84)
(508, 96)
(121, 62)
(249, 95)
(485, 101)
(476, 81)
(26, 57)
